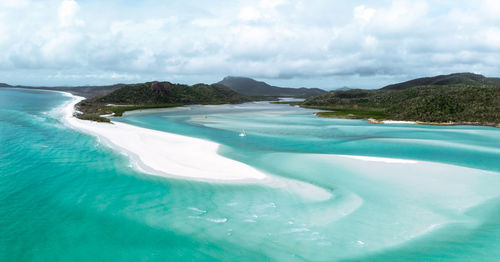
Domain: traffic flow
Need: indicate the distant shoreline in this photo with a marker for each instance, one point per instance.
(379, 117)
(387, 121)
(118, 110)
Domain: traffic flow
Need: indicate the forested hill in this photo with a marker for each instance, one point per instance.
(116, 99)
(442, 80)
(457, 98)
(251, 87)
(168, 93)
(242, 85)
(156, 95)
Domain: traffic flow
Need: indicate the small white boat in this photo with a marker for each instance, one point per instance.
(243, 133)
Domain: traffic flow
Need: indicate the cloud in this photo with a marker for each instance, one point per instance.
(491, 8)
(363, 15)
(14, 4)
(294, 40)
(68, 10)
(271, 3)
(249, 14)
(402, 15)
(108, 75)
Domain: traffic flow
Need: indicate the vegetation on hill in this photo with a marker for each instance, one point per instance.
(462, 98)
(251, 87)
(467, 103)
(157, 95)
(168, 93)
(245, 86)
(442, 80)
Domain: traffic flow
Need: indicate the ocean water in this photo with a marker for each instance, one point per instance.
(399, 192)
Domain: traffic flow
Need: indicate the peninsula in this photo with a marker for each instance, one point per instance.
(461, 99)
(155, 95)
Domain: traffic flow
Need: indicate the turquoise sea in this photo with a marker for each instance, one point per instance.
(399, 192)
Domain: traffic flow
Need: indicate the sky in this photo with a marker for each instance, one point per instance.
(293, 43)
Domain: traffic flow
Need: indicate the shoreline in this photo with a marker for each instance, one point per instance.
(407, 122)
(164, 154)
(180, 157)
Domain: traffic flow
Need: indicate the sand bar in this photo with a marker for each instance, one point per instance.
(165, 154)
(176, 156)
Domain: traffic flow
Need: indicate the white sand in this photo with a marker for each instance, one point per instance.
(165, 154)
(381, 159)
(398, 122)
(171, 155)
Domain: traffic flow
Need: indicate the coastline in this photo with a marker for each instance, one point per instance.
(175, 156)
(378, 122)
(306, 190)
(164, 154)
(180, 157)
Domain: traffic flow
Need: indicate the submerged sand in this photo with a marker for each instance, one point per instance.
(176, 156)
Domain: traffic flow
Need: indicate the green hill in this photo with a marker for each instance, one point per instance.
(156, 95)
(457, 98)
(251, 87)
(442, 80)
(165, 92)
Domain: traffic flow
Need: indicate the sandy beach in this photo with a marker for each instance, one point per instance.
(398, 122)
(176, 156)
(165, 154)
(380, 159)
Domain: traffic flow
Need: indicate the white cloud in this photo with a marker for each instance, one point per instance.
(400, 16)
(370, 42)
(107, 75)
(14, 3)
(271, 3)
(363, 15)
(68, 10)
(491, 8)
(249, 14)
(209, 22)
(301, 40)
(490, 37)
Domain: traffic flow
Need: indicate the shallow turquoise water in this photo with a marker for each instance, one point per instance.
(65, 197)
